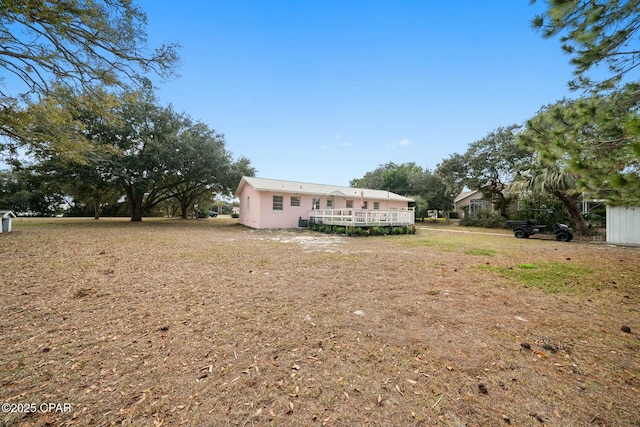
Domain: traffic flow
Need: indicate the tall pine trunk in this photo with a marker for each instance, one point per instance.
(571, 203)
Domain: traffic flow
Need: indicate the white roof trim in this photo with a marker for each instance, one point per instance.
(7, 214)
(464, 195)
(275, 185)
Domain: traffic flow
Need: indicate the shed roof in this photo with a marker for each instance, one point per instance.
(4, 213)
(264, 184)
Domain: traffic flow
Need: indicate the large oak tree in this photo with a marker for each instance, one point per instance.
(149, 152)
(76, 43)
(489, 165)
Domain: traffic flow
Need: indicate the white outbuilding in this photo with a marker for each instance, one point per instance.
(6, 216)
(623, 225)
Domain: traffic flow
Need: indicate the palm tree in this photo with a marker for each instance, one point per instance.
(559, 183)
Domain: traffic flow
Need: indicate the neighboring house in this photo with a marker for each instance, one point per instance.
(623, 225)
(271, 203)
(472, 200)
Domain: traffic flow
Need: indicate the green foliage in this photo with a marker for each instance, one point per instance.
(484, 218)
(398, 230)
(130, 146)
(431, 187)
(79, 42)
(595, 141)
(361, 231)
(595, 33)
(23, 191)
(202, 166)
(421, 207)
(391, 177)
(453, 173)
(235, 215)
(551, 277)
(488, 165)
(322, 228)
(380, 231)
(597, 217)
(480, 252)
(76, 44)
(427, 188)
(64, 137)
(14, 192)
(543, 209)
(357, 231)
(598, 137)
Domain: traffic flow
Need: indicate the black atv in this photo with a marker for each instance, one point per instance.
(525, 229)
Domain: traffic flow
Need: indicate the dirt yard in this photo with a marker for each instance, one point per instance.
(208, 323)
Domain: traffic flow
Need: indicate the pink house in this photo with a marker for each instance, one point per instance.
(272, 203)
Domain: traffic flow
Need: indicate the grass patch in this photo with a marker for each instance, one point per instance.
(480, 252)
(430, 242)
(551, 277)
(527, 266)
(418, 241)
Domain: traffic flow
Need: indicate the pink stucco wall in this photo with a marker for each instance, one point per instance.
(256, 207)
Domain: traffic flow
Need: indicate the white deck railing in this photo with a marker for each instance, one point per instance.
(362, 217)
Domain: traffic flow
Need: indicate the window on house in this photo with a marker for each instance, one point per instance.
(349, 204)
(315, 204)
(366, 204)
(295, 202)
(376, 205)
(277, 203)
(329, 203)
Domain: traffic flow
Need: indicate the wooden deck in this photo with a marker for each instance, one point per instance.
(363, 217)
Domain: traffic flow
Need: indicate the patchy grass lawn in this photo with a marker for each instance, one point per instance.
(184, 322)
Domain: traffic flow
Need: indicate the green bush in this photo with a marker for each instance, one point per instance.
(235, 215)
(484, 218)
(357, 231)
(340, 230)
(361, 231)
(379, 231)
(398, 230)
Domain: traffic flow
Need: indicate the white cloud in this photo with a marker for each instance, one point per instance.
(336, 143)
(402, 143)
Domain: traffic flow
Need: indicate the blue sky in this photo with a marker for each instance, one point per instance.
(325, 91)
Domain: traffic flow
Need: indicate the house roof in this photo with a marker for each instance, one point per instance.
(464, 194)
(282, 186)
